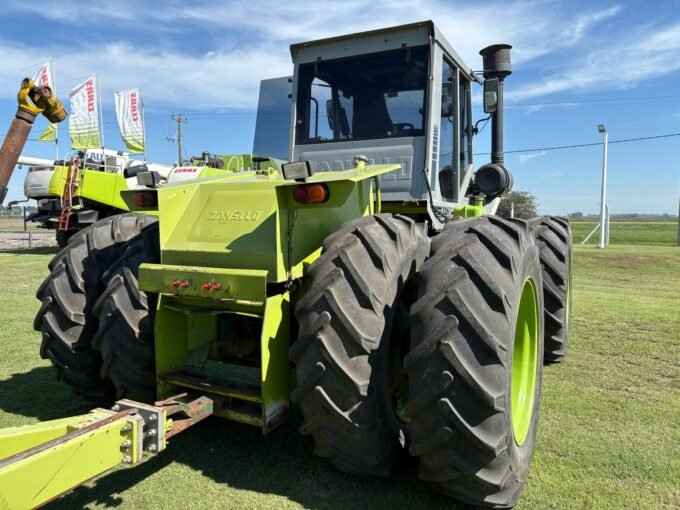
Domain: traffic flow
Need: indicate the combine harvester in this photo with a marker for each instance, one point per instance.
(415, 321)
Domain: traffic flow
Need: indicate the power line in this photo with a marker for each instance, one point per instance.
(622, 100)
(559, 147)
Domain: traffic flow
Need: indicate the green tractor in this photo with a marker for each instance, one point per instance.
(368, 281)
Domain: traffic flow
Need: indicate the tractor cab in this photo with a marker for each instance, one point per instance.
(396, 96)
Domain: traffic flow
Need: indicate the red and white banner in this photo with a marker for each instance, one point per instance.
(130, 115)
(83, 122)
(43, 77)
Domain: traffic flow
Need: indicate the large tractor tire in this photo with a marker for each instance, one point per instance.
(475, 363)
(68, 294)
(553, 237)
(125, 337)
(353, 332)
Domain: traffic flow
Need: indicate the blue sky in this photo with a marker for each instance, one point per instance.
(576, 64)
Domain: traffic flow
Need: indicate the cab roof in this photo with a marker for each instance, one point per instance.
(372, 41)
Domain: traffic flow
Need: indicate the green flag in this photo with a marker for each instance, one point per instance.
(49, 134)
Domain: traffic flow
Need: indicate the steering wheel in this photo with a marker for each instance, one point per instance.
(404, 128)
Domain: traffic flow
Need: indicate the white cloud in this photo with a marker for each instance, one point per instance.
(523, 158)
(551, 174)
(219, 79)
(619, 64)
(243, 41)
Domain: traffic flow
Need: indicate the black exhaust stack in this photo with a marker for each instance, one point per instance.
(493, 179)
(497, 65)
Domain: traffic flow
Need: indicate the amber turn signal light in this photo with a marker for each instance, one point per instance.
(311, 193)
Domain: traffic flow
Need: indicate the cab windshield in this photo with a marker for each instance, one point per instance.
(375, 96)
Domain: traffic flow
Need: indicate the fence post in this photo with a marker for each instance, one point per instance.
(30, 239)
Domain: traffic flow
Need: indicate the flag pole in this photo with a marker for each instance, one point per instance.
(141, 94)
(54, 91)
(101, 118)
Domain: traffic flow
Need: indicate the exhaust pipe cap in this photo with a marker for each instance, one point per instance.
(496, 61)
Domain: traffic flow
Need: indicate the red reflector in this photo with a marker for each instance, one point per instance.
(311, 193)
(146, 198)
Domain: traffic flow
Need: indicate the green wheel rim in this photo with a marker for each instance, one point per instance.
(524, 363)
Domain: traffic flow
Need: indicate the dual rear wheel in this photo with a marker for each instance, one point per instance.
(455, 381)
(93, 319)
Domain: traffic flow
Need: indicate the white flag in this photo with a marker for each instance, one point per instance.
(43, 77)
(83, 122)
(129, 108)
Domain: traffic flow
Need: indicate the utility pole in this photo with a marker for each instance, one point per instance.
(180, 120)
(603, 197)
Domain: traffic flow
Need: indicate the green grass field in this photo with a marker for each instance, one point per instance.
(624, 230)
(608, 437)
(629, 232)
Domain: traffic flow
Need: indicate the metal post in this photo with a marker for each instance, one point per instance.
(141, 97)
(180, 120)
(24, 218)
(54, 90)
(679, 222)
(591, 233)
(179, 140)
(603, 197)
(606, 229)
(30, 239)
(512, 209)
(101, 118)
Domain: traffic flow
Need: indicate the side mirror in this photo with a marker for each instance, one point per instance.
(342, 118)
(447, 99)
(490, 95)
(329, 114)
